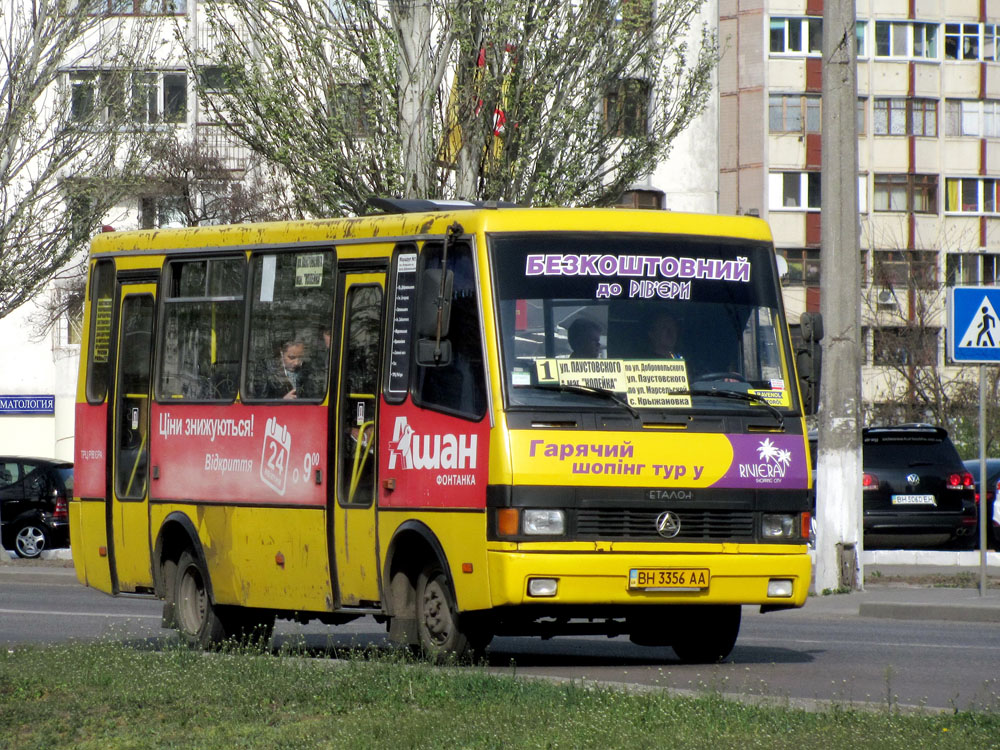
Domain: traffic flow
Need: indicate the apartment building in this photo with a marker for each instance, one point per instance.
(162, 97)
(38, 375)
(928, 118)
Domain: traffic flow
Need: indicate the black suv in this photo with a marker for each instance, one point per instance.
(34, 503)
(916, 488)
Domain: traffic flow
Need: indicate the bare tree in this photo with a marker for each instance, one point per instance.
(61, 147)
(200, 187)
(203, 188)
(533, 101)
(904, 309)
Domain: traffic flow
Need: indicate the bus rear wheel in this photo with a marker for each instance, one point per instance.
(441, 632)
(706, 634)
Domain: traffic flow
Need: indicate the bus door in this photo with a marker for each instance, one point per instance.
(354, 538)
(128, 515)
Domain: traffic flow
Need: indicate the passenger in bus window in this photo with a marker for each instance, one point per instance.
(285, 376)
(584, 336)
(663, 334)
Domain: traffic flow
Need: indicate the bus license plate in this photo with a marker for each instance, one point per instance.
(652, 579)
(913, 500)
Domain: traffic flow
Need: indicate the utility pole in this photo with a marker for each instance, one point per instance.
(838, 476)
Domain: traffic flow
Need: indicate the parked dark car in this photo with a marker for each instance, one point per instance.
(917, 491)
(34, 504)
(992, 476)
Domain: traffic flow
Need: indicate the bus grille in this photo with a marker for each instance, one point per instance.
(640, 523)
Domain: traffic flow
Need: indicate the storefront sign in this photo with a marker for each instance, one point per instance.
(44, 404)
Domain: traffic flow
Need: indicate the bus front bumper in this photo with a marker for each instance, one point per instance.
(774, 580)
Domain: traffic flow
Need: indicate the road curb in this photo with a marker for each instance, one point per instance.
(966, 612)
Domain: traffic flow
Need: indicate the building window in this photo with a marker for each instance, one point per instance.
(648, 199)
(158, 97)
(797, 36)
(901, 116)
(861, 32)
(970, 41)
(138, 7)
(214, 78)
(970, 195)
(82, 95)
(905, 345)
(970, 117)
(972, 269)
(803, 267)
(905, 192)
(794, 113)
(906, 39)
(626, 108)
(794, 190)
(925, 40)
(151, 96)
(905, 269)
(161, 212)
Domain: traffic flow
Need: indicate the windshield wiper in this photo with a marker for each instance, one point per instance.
(589, 391)
(750, 398)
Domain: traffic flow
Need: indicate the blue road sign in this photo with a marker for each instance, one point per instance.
(974, 324)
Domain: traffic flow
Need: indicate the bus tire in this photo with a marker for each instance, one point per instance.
(439, 634)
(706, 634)
(196, 618)
(205, 625)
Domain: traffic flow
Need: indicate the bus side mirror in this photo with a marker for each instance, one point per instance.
(431, 353)
(809, 360)
(434, 318)
(435, 303)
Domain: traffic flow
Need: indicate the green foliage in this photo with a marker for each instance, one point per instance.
(539, 102)
(114, 696)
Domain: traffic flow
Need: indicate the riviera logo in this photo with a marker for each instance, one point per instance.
(772, 463)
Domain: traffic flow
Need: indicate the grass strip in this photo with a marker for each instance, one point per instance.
(111, 695)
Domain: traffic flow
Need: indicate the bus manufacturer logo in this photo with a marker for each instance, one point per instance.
(668, 524)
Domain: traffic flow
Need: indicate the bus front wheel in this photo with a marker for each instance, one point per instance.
(441, 632)
(194, 612)
(706, 634)
(203, 624)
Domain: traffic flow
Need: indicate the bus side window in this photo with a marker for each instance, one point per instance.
(203, 325)
(458, 387)
(102, 294)
(291, 306)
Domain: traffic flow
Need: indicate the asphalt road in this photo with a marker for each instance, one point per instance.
(823, 653)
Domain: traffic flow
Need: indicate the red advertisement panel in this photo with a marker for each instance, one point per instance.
(239, 454)
(90, 452)
(434, 460)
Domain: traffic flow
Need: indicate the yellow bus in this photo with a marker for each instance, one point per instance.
(463, 420)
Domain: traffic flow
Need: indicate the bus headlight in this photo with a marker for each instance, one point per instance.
(777, 526)
(544, 522)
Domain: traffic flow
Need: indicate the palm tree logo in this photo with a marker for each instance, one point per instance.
(768, 451)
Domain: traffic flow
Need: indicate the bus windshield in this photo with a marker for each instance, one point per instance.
(648, 321)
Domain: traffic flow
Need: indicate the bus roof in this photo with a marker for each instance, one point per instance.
(390, 227)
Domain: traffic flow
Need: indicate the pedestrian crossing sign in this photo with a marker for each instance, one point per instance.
(974, 324)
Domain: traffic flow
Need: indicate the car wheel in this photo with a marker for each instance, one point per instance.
(30, 539)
